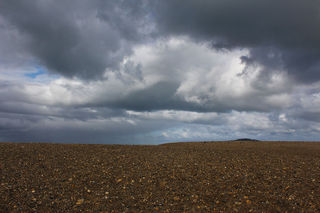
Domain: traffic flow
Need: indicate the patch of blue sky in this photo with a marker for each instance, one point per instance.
(40, 74)
(39, 71)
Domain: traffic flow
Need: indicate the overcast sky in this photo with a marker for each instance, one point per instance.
(148, 72)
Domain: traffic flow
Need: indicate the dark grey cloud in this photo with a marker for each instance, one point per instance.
(164, 95)
(34, 120)
(73, 126)
(159, 70)
(309, 116)
(84, 38)
(158, 96)
(243, 23)
(76, 38)
(279, 34)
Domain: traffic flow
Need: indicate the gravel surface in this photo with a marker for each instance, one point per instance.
(179, 177)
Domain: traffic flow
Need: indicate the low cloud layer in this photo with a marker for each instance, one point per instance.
(157, 71)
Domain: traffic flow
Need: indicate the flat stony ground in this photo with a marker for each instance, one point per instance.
(179, 177)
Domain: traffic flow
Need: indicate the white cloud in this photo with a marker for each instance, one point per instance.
(235, 101)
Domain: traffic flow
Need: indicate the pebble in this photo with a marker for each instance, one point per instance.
(189, 177)
(80, 201)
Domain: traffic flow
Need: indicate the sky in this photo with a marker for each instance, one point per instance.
(150, 72)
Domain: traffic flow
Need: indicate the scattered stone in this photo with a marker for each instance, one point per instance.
(191, 177)
(80, 201)
(176, 198)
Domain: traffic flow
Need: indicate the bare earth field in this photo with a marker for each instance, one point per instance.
(180, 177)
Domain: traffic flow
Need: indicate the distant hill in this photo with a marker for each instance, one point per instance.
(246, 139)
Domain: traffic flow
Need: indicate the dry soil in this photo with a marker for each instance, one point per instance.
(180, 177)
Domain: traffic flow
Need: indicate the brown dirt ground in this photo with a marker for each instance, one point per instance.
(179, 177)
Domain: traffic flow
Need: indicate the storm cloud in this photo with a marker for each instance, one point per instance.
(77, 38)
(279, 34)
(87, 38)
(154, 71)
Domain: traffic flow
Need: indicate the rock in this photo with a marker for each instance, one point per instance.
(80, 201)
